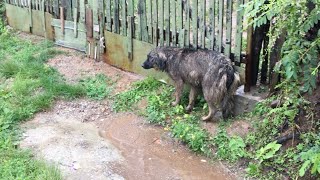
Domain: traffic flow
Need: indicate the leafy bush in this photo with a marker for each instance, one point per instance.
(299, 57)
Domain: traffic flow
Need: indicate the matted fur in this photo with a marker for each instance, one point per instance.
(204, 70)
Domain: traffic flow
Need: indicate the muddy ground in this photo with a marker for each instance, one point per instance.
(87, 140)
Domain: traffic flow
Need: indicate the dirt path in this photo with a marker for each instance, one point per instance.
(89, 141)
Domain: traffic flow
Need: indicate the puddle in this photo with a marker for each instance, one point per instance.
(150, 153)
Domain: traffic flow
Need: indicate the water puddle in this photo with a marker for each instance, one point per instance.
(150, 153)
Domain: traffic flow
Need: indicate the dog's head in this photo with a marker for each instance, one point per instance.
(156, 59)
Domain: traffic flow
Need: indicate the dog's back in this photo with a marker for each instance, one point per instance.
(192, 65)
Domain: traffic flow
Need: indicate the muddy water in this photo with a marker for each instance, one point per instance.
(151, 154)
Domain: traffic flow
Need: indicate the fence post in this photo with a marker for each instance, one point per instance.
(275, 56)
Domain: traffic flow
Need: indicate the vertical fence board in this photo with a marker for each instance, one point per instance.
(212, 12)
(195, 23)
(149, 20)
(55, 8)
(167, 22)
(179, 21)
(238, 39)
(130, 37)
(124, 17)
(116, 28)
(161, 22)
(202, 24)
(229, 28)
(155, 21)
(75, 17)
(82, 10)
(108, 15)
(187, 23)
(62, 19)
(30, 17)
(89, 22)
(143, 20)
(174, 25)
(220, 25)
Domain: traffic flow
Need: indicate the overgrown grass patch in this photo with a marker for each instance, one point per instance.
(27, 86)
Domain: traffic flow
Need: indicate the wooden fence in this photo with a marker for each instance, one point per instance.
(130, 28)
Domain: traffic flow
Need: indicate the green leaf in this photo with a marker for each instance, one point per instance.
(304, 168)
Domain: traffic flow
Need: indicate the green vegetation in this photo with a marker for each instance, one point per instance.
(266, 159)
(298, 22)
(98, 87)
(27, 86)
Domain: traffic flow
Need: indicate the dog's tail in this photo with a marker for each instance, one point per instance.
(232, 83)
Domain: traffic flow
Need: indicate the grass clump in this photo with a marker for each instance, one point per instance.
(98, 87)
(127, 100)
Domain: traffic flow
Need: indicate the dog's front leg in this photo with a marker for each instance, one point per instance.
(178, 84)
(192, 97)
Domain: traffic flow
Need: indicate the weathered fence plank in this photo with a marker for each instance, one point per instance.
(82, 10)
(195, 23)
(124, 17)
(202, 24)
(116, 26)
(55, 8)
(167, 22)
(149, 20)
(143, 35)
(179, 21)
(229, 28)
(212, 24)
(161, 22)
(108, 15)
(62, 19)
(187, 24)
(155, 21)
(75, 18)
(173, 20)
(220, 26)
(130, 37)
(238, 38)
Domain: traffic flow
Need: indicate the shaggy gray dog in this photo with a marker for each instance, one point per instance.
(205, 70)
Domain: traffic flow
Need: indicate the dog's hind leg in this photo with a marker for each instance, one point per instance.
(192, 97)
(212, 112)
(178, 84)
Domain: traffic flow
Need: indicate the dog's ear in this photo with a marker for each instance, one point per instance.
(162, 56)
